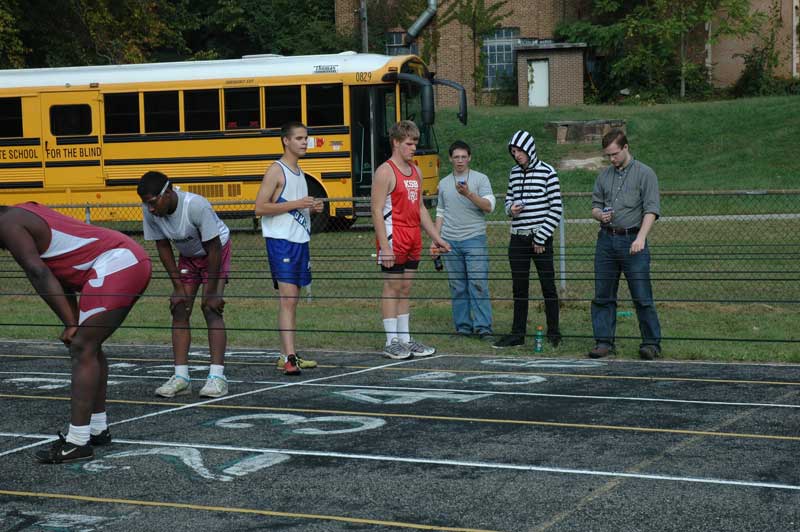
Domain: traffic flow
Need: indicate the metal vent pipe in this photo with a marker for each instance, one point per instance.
(419, 24)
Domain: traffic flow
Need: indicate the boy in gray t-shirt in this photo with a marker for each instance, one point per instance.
(465, 197)
(203, 241)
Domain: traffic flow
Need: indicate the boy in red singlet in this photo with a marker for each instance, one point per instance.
(398, 212)
(62, 257)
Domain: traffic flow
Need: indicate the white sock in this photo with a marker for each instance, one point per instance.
(216, 370)
(402, 327)
(78, 435)
(98, 423)
(390, 326)
(182, 371)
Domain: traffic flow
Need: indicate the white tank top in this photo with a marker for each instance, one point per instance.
(295, 225)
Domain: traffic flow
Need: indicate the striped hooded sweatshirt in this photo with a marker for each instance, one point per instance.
(537, 186)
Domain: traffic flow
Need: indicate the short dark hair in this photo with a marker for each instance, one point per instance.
(288, 127)
(459, 145)
(151, 184)
(615, 136)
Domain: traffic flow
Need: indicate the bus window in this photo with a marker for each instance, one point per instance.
(281, 105)
(10, 117)
(122, 112)
(201, 110)
(325, 105)
(161, 112)
(241, 109)
(411, 109)
(70, 120)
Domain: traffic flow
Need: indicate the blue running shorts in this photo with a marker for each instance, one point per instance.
(289, 262)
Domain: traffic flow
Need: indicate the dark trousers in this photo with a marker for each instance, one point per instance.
(612, 257)
(520, 254)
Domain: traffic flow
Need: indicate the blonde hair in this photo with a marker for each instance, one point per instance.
(403, 130)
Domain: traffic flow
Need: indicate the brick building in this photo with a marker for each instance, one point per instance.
(523, 47)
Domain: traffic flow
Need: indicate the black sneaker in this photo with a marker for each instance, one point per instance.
(104, 438)
(509, 340)
(63, 451)
(554, 339)
(649, 352)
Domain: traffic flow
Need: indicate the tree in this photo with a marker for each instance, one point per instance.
(481, 20)
(646, 44)
(11, 49)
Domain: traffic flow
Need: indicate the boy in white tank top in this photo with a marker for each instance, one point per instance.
(285, 209)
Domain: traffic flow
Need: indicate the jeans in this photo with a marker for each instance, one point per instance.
(520, 253)
(468, 274)
(612, 256)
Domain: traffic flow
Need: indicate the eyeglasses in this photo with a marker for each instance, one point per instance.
(610, 155)
(152, 201)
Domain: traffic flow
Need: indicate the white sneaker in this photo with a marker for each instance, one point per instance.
(176, 385)
(419, 350)
(397, 350)
(214, 387)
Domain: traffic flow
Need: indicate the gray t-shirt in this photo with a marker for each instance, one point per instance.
(631, 192)
(462, 218)
(192, 223)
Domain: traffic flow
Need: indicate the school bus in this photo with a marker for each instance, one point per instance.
(85, 135)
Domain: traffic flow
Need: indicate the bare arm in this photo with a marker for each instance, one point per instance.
(268, 194)
(382, 185)
(480, 202)
(168, 260)
(22, 246)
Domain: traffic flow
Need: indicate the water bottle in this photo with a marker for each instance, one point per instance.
(538, 340)
(437, 263)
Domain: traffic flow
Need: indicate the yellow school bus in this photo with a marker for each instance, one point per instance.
(85, 135)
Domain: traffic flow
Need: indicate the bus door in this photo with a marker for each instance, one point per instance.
(372, 113)
(71, 139)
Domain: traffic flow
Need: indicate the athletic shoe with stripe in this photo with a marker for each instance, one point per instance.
(419, 350)
(63, 451)
(397, 350)
(290, 367)
(216, 386)
(176, 385)
(302, 363)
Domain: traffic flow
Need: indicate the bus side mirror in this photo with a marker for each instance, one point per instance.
(462, 101)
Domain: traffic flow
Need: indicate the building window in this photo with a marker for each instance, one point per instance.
(394, 44)
(498, 49)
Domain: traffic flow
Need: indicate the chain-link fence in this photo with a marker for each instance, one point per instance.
(714, 257)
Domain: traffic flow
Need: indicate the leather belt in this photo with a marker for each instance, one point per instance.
(619, 230)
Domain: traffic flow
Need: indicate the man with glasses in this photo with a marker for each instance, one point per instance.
(203, 243)
(465, 198)
(626, 202)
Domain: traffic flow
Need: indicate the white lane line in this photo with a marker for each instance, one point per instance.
(278, 384)
(227, 397)
(455, 463)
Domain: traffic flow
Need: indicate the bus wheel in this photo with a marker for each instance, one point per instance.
(319, 221)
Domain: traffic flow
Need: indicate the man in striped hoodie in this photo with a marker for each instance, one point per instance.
(533, 201)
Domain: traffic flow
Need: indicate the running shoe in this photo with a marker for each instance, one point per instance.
(419, 350)
(176, 385)
(397, 350)
(291, 367)
(302, 363)
(215, 387)
(104, 438)
(63, 451)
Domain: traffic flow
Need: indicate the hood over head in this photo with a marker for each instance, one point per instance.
(525, 142)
